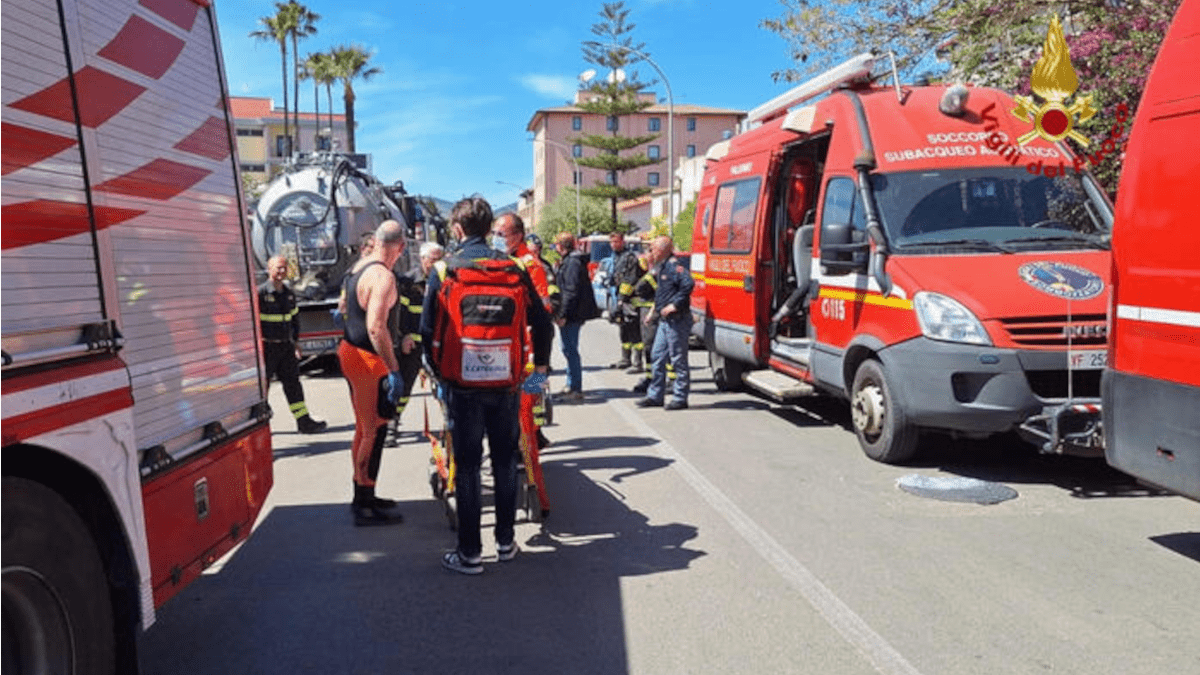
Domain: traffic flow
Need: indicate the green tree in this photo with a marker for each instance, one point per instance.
(318, 67)
(684, 222)
(350, 64)
(275, 28)
(559, 215)
(989, 42)
(300, 23)
(615, 96)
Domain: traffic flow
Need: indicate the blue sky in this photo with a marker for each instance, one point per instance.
(462, 79)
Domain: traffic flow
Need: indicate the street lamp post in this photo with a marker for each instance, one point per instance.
(571, 156)
(521, 194)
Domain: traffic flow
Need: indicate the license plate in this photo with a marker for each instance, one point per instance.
(317, 346)
(1092, 359)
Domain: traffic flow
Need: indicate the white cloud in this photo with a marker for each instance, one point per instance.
(557, 86)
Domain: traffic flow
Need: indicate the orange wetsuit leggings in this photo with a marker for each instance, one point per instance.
(363, 371)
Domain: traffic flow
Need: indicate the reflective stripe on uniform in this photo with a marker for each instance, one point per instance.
(298, 409)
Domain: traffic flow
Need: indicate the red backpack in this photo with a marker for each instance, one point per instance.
(479, 338)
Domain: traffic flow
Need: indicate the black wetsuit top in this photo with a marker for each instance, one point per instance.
(356, 315)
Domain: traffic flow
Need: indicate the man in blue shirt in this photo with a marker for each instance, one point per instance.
(672, 305)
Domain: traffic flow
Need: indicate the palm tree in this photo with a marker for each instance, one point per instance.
(350, 63)
(275, 29)
(300, 24)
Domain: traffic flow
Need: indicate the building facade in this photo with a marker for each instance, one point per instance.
(555, 150)
(262, 144)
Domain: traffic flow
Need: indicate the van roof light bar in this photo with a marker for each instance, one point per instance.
(856, 68)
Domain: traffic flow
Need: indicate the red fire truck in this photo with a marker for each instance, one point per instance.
(136, 440)
(1151, 389)
(900, 247)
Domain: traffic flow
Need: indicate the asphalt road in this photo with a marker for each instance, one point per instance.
(737, 536)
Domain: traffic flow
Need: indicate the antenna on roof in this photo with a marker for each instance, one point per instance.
(857, 68)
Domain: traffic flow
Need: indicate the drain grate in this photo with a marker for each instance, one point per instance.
(956, 489)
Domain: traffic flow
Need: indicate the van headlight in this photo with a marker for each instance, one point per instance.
(944, 318)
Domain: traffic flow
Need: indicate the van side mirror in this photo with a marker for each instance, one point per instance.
(844, 250)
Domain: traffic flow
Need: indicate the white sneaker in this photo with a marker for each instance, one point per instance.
(462, 564)
(507, 552)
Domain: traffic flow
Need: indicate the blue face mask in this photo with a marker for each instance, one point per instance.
(500, 243)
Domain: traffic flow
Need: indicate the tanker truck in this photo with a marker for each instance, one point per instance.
(314, 214)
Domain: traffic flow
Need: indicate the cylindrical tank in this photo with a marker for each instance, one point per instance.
(314, 214)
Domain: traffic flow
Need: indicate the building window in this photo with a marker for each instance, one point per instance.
(611, 178)
(691, 151)
(612, 123)
(654, 152)
(576, 122)
(249, 132)
(577, 150)
(691, 122)
(254, 168)
(652, 178)
(324, 143)
(577, 177)
(282, 146)
(655, 124)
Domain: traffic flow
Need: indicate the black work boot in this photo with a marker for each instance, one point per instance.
(307, 425)
(642, 387)
(624, 362)
(636, 368)
(366, 510)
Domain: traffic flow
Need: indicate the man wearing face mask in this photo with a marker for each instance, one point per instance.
(508, 236)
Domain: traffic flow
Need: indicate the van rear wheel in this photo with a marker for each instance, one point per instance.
(727, 373)
(879, 420)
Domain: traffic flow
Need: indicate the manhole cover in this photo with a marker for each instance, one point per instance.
(956, 489)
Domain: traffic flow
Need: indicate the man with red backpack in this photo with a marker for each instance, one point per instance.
(474, 323)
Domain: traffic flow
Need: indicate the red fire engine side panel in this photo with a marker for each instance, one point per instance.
(214, 499)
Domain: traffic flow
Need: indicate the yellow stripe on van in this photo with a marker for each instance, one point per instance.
(728, 283)
(864, 296)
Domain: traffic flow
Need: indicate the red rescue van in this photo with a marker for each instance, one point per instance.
(899, 247)
(1151, 389)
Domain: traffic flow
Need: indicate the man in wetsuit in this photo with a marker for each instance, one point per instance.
(368, 359)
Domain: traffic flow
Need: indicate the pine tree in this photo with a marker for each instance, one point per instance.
(615, 97)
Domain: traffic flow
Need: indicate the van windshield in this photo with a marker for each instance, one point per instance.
(1004, 208)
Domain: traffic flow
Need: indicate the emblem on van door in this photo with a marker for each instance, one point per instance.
(1060, 279)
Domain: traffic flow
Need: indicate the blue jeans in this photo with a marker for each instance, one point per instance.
(671, 342)
(472, 413)
(570, 350)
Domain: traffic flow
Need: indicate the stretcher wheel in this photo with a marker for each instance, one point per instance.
(533, 505)
(435, 482)
(451, 505)
(548, 407)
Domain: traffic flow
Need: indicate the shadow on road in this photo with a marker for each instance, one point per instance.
(1005, 458)
(310, 593)
(1186, 544)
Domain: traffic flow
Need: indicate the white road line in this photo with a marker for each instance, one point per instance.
(882, 655)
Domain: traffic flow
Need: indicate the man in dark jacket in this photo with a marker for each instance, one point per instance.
(672, 306)
(478, 411)
(578, 306)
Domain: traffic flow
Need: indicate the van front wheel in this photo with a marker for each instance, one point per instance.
(727, 373)
(879, 419)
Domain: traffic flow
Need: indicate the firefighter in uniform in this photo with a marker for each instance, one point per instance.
(508, 233)
(625, 273)
(643, 299)
(672, 306)
(280, 324)
(411, 292)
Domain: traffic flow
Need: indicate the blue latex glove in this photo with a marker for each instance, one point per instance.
(395, 387)
(535, 383)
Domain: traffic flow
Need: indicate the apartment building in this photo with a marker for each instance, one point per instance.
(261, 141)
(555, 150)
